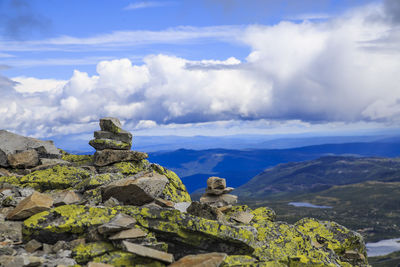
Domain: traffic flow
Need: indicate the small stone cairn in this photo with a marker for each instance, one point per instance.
(113, 144)
(216, 194)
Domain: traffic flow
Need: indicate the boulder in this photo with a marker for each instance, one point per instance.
(118, 223)
(33, 245)
(109, 156)
(25, 159)
(201, 260)
(65, 197)
(136, 191)
(101, 144)
(148, 252)
(11, 143)
(122, 136)
(110, 124)
(31, 205)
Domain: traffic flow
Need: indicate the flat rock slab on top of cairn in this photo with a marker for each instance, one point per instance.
(217, 193)
(111, 136)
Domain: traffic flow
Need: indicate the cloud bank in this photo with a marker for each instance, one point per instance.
(334, 71)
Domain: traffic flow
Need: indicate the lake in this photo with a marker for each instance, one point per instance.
(383, 247)
(308, 205)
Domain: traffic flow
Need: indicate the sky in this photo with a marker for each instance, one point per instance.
(193, 67)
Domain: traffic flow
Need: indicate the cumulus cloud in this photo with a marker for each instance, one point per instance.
(309, 72)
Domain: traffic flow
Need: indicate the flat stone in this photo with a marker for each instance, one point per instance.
(110, 124)
(46, 163)
(218, 192)
(128, 234)
(148, 252)
(33, 245)
(98, 264)
(119, 222)
(109, 156)
(182, 206)
(164, 203)
(219, 201)
(66, 197)
(101, 144)
(4, 172)
(123, 136)
(22, 160)
(136, 191)
(11, 143)
(31, 205)
(243, 217)
(201, 260)
(216, 183)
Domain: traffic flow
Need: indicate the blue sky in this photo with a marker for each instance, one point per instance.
(199, 67)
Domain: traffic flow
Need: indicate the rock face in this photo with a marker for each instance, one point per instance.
(129, 212)
(24, 159)
(111, 136)
(11, 143)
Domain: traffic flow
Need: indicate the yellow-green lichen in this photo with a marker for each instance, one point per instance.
(78, 160)
(85, 252)
(263, 215)
(131, 168)
(125, 259)
(12, 180)
(98, 180)
(58, 177)
(175, 190)
(111, 143)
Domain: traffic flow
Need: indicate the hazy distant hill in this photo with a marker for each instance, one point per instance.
(320, 174)
(239, 166)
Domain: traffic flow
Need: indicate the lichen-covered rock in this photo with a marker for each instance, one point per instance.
(58, 177)
(108, 156)
(110, 124)
(175, 190)
(78, 160)
(123, 136)
(125, 259)
(101, 144)
(83, 253)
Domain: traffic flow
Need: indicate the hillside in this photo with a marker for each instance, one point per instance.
(319, 174)
(239, 166)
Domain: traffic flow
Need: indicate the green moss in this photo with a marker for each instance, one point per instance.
(131, 168)
(78, 160)
(125, 259)
(83, 253)
(58, 177)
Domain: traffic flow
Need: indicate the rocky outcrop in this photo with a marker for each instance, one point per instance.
(111, 136)
(134, 213)
(16, 150)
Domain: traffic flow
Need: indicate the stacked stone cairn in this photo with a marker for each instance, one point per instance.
(216, 194)
(113, 144)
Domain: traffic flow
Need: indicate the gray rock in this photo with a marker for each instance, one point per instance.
(216, 183)
(243, 217)
(35, 203)
(123, 136)
(101, 144)
(218, 192)
(136, 191)
(219, 201)
(118, 223)
(111, 202)
(65, 197)
(110, 124)
(205, 211)
(11, 230)
(148, 252)
(214, 259)
(108, 156)
(46, 163)
(33, 245)
(64, 253)
(60, 245)
(47, 248)
(11, 143)
(182, 206)
(25, 159)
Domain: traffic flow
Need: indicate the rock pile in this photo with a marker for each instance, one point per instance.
(216, 194)
(130, 213)
(113, 144)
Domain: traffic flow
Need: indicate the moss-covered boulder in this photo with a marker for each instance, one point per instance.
(77, 160)
(58, 177)
(83, 253)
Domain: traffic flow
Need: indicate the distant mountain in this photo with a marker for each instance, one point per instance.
(320, 174)
(239, 166)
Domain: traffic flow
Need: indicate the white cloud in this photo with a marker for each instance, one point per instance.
(147, 4)
(326, 72)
